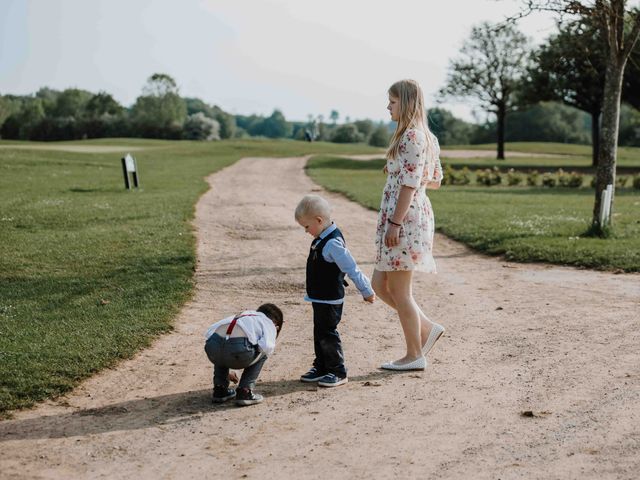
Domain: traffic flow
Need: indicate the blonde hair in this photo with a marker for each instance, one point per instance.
(313, 205)
(411, 114)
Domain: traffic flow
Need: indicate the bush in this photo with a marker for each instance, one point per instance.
(532, 178)
(572, 180)
(460, 177)
(514, 178)
(548, 180)
(447, 175)
(636, 182)
(489, 176)
(200, 127)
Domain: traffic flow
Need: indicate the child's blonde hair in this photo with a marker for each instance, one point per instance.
(313, 206)
(411, 114)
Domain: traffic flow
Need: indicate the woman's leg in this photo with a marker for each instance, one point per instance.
(379, 283)
(381, 288)
(399, 286)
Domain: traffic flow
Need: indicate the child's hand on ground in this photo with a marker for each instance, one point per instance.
(233, 377)
(371, 298)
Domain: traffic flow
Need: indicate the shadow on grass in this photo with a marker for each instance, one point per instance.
(149, 412)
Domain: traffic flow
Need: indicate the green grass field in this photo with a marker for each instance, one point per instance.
(90, 273)
(557, 155)
(527, 224)
(627, 156)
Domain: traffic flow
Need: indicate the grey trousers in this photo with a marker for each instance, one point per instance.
(235, 353)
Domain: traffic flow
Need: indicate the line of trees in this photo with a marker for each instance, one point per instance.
(159, 112)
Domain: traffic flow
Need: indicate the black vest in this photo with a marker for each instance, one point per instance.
(325, 281)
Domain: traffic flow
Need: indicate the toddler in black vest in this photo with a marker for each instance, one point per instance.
(328, 262)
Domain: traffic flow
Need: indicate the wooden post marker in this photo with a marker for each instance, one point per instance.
(130, 166)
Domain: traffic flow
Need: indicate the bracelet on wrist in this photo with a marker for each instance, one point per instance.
(394, 223)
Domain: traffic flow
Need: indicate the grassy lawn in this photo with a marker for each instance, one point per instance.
(549, 148)
(526, 224)
(557, 155)
(90, 273)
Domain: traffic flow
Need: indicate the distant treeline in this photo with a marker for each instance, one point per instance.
(160, 112)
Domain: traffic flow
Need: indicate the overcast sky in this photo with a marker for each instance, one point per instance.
(303, 57)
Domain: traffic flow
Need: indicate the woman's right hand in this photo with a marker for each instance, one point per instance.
(392, 236)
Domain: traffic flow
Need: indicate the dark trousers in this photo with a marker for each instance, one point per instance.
(326, 340)
(236, 353)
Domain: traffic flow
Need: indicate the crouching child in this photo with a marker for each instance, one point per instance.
(242, 342)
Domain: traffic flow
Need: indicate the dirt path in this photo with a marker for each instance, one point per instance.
(559, 342)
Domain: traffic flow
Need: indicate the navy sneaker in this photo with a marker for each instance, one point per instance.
(331, 380)
(245, 397)
(222, 394)
(312, 375)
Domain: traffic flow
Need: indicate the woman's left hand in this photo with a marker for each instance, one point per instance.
(392, 236)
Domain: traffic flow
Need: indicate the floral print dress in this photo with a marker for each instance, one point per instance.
(415, 164)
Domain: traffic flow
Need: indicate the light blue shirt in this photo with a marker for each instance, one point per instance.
(335, 251)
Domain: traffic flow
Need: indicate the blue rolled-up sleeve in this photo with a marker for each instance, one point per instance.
(335, 251)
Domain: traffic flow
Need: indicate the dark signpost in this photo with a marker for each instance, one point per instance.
(129, 166)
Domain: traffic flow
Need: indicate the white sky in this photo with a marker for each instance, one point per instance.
(247, 56)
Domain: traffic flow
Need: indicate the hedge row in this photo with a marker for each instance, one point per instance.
(495, 176)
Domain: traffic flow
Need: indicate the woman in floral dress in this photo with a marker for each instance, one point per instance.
(404, 236)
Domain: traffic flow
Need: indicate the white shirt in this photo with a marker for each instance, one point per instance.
(259, 328)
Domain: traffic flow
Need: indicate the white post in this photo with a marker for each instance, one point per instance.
(605, 205)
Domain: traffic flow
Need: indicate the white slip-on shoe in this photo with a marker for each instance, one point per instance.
(434, 335)
(419, 363)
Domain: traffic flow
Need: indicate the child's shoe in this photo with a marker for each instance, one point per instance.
(313, 375)
(331, 380)
(222, 394)
(244, 397)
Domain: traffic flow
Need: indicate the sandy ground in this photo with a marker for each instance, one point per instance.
(559, 343)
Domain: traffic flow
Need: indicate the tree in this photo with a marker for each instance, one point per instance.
(159, 85)
(28, 113)
(365, 127)
(276, 126)
(491, 63)
(227, 122)
(570, 68)
(619, 28)
(629, 126)
(334, 116)
(160, 112)
(380, 136)
(6, 109)
(449, 129)
(195, 105)
(71, 103)
(103, 103)
(347, 133)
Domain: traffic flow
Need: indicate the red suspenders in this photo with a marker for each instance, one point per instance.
(234, 321)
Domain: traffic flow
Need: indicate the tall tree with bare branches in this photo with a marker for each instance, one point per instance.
(491, 63)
